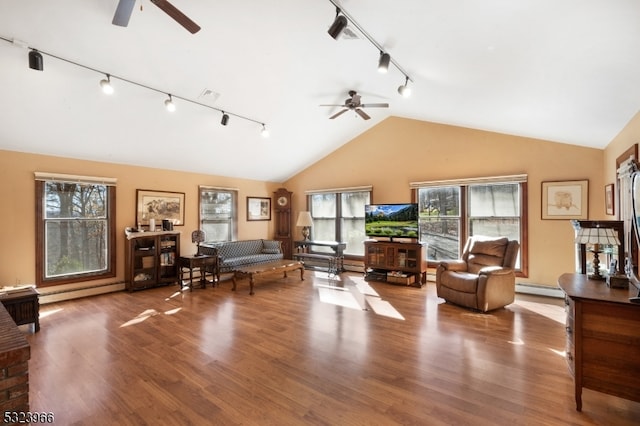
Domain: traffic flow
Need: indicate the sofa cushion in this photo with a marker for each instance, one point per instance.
(270, 246)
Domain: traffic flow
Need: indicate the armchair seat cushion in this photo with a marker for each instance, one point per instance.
(465, 282)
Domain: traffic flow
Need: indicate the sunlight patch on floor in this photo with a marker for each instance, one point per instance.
(384, 308)
(553, 312)
(338, 296)
(49, 313)
(364, 288)
(172, 311)
(140, 318)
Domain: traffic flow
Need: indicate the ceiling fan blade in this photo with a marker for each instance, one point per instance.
(374, 106)
(338, 113)
(362, 114)
(332, 105)
(123, 12)
(178, 16)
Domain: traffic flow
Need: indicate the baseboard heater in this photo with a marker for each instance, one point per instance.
(51, 295)
(540, 290)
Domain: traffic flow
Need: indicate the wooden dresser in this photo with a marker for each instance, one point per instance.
(603, 337)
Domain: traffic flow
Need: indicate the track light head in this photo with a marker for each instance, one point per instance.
(383, 63)
(339, 24)
(264, 132)
(35, 60)
(105, 83)
(168, 103)
(404, 89)
(225, 119)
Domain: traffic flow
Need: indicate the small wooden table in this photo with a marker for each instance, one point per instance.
(253, 271)
(204, 263)
(23, 306)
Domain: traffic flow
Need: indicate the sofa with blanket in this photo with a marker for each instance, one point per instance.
(232, 254)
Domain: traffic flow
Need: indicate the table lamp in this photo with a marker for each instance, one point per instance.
(597, 237)
(306, 221)
(197, 237)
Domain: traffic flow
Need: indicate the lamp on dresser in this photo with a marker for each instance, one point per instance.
(596, 238)
(306, 222)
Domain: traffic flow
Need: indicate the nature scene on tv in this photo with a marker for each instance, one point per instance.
(392, 220)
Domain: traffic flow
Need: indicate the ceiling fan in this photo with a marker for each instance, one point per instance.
(125, 8)
(353, 104)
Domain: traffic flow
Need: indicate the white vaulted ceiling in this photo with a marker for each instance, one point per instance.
(562, 70)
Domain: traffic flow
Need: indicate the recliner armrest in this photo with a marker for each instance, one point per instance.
(457, 265)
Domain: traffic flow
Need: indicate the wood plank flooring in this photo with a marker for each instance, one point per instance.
(313, 352)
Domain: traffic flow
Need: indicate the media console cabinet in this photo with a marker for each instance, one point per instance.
(397, 263)
(603, 337)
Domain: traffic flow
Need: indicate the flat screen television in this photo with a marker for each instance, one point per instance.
(391, 220)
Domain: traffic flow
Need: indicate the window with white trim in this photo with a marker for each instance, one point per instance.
(75, 228)
(218, 213)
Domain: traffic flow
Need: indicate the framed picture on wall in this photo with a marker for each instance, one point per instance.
(565, 200)
(609, 199)
(159, 205)
(258, 208)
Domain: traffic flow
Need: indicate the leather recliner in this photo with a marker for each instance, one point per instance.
(484, 278)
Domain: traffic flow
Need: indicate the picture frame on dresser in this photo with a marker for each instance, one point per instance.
(159, 205)
(258, 208)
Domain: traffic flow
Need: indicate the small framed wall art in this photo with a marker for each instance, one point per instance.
(565, 199)
(258, 208)
(609, 199)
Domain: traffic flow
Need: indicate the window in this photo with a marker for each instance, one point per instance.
(452, 211)
(218, 213)
(338, 215)
(75, 228)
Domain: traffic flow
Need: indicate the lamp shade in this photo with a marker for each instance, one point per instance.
(304, 219)
(604, 236)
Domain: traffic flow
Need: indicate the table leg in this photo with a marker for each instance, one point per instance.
(251, 285)
(301, 273)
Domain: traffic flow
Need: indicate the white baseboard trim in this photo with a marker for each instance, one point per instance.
(540, 290)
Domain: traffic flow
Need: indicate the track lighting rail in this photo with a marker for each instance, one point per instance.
(111, 77)
(368, 36)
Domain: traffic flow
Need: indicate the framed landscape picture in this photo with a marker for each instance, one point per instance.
(565, 200)
(159, 205)
(258, 208)
(609, 199)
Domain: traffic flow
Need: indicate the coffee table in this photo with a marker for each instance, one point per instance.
(262, 269)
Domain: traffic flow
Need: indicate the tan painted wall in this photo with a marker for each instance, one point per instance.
(17, 211)
(399, 151)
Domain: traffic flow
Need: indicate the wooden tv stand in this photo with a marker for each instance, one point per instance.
(397, 263)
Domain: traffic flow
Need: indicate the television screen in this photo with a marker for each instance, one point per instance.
(391, 220)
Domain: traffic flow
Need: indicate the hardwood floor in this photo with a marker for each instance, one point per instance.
(305, 352)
